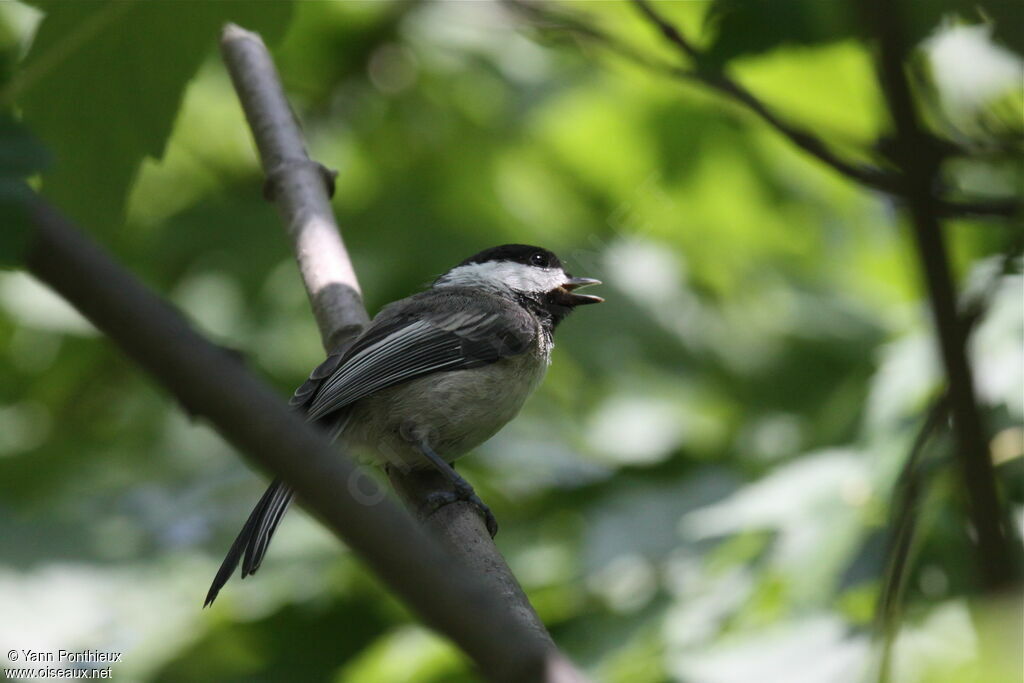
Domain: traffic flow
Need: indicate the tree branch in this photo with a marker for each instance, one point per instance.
(716, 79)
(298, 190)
(297, 186)
(998, 546)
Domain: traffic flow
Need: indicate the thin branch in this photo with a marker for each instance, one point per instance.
(998, 545)
(903, 535)
(670, 32)
(297, 186)
(716, 79)
(329, 277)
(978, 208)
(250, 415)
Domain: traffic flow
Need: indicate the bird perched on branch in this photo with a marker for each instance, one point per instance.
(432, 377)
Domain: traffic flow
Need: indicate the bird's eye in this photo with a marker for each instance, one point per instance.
(540, 260)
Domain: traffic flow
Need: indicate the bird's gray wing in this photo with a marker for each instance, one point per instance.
(473, 330)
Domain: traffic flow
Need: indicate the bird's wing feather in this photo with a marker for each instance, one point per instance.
(418, 340)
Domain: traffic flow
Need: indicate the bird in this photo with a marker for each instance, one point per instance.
(433, 376)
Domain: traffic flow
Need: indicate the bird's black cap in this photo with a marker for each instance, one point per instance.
(517, 253)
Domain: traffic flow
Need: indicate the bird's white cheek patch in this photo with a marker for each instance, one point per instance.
(495, 274)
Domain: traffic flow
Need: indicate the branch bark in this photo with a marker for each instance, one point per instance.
(296, 184)
(998, 546)
(297, 187)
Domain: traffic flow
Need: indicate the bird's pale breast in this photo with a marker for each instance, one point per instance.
(453, 412)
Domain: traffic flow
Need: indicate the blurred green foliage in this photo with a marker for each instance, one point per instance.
(699, 491)
(21, 155)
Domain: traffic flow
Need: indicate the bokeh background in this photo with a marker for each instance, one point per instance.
(700, 491)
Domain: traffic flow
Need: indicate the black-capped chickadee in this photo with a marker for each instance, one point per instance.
(432, 377)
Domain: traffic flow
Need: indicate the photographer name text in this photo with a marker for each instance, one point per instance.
(72, 656)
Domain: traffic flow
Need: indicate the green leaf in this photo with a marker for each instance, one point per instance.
(750, 27)
(103, 82)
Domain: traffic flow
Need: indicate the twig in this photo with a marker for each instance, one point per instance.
(979, 208)
(327, 272)
(997, 543)
(251, 416)
(704, 73)
(718, 80)
(670, 32)
(903, 534)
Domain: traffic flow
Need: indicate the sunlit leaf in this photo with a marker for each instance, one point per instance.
(102, 84)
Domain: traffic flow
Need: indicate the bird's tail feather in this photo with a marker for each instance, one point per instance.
(251, 544)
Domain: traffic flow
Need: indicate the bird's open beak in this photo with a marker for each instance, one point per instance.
(574, 299)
